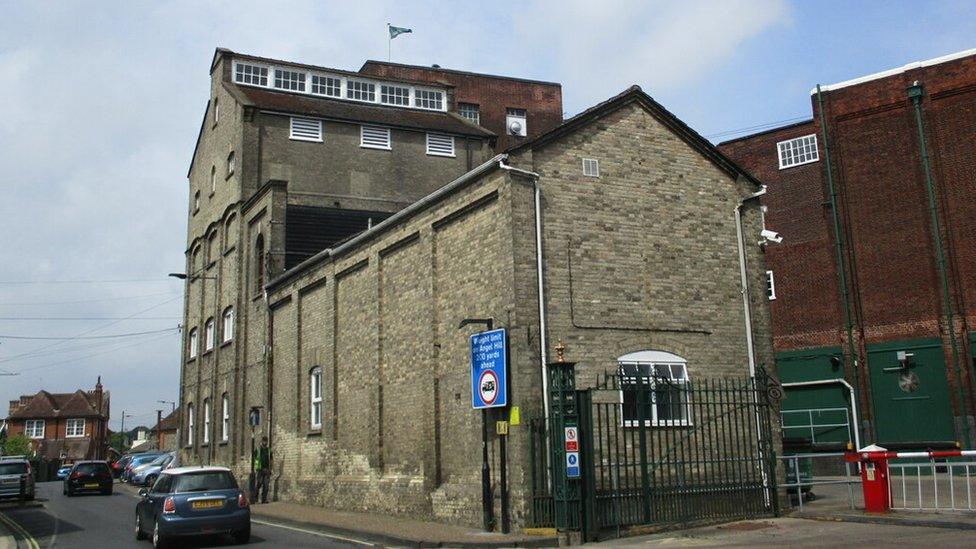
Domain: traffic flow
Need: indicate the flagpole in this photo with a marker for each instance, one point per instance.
(389, 43)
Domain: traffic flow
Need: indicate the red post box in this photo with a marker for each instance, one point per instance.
(874, 477)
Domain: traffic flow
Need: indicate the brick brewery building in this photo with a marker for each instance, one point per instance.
(341, 225)
(886, 298)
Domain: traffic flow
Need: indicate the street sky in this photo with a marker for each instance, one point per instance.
(101, 103)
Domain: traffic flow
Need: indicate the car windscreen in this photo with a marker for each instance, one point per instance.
(13, 468)
(205, 481)
(160, 460)
(141, 460)
(91, 468)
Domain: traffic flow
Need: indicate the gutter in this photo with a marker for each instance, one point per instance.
(850, 390)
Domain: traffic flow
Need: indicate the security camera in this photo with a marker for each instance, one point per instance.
(771, 236)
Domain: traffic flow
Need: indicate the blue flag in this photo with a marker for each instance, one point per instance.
(397, 31)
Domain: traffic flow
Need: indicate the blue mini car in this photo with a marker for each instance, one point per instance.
(193, 501)
(63, 472)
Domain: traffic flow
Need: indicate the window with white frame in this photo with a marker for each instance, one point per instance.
(206, 421)
(654, 387)
(394, 95)
(189, 424)
(360, 91)
(315, 397)
(305, 129)
(34, 428)
(440, 145)
(770, 286)
(216, 113)
(208, 335)
(429, 99)
(224, 418)
(227, 330)
(374, 137)
(326, 85)
(230, 163)
(251, 74)
(470, 111)
(795, 152)
(591, 167)
(213, 179)
(289, 80)
(192, 343)
(75, 427)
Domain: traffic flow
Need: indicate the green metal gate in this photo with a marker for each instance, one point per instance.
(666, 453)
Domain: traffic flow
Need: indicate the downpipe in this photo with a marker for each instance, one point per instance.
(850, 391)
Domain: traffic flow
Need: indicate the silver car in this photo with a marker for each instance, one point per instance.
(16, 478)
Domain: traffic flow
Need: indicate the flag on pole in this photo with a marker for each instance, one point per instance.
(397, 31)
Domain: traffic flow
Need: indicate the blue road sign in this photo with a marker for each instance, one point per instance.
(489, 382)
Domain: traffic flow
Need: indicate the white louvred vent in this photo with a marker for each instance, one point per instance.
(306, 129)
(440, 145)
(374, 137)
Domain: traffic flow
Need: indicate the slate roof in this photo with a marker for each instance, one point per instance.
(170, 422)
(46, 405)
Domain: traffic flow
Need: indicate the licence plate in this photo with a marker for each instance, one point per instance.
(11, 481)
(91, 485)
(207, 504)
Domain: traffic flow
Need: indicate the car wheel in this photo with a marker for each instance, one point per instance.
(140, 535)
(242, 536)
(158, 540)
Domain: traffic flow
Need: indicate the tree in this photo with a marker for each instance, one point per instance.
(17, 445)
(117, 441)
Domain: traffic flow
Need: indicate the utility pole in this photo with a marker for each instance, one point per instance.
(122, 428)
(159, 432)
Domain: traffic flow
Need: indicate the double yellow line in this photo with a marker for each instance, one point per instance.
(19, 531)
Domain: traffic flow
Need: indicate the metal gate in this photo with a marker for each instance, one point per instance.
(666, 453)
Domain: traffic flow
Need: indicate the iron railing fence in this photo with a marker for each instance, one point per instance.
(935, 485)
(800, 477)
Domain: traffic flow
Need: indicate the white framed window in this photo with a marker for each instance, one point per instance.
(75, 428)
(189, 424)
(591, 167)
(315, 397)
(658, 380)
(429, 99)
(208, 335)
(469, 111)
(795, 152)
(374, 137)
(230, 163)
(192, 343)
(34, 428)
(206, 421)
(305, 129)
(289, 80)
(326, 85)
(245, 73)
(213, 179)
(227, 330)
(770, 286)
(216, 113)
(361, 91)
(224, 418)
(440, 145)
(394, 95)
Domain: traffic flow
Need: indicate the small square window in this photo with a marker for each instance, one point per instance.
(289, 80)
(469, 111)
(361, 91)
(795, 152)
(394, 95)
(326, 85)
(429, 99)
(591, 167)
(251, 74)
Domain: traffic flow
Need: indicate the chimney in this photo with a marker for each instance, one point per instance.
(98, 395)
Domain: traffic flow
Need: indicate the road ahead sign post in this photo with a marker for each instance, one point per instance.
(489, 380)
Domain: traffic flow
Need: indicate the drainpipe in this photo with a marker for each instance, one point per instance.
(839, 250)
(850, 390)
(744, 280)
(915, 95)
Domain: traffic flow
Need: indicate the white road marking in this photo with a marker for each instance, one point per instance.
(314, 533)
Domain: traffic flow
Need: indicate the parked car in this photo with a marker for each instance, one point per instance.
(191, 502)
(88, 476)
(119, 465)
(146, 474)
(16, 478)
(136, 461)
(63, 471)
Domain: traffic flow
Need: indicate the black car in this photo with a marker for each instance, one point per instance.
(88, 476)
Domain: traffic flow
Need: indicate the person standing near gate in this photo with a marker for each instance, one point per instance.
(262, 470)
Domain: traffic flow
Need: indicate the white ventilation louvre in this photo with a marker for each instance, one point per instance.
(373, 137)
(440, 145)
(591, 167)
(306, 129)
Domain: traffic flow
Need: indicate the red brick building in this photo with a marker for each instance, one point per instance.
(896, 199)
(71, 426)
(493, 102)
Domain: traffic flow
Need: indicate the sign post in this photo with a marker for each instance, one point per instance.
(489, 389)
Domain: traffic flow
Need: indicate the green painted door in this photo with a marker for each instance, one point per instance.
(818, 414)
(911, 404)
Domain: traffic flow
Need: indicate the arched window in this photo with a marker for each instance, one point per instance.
(206, 421)
(660, 381)
(259, 264)
(230, 163)
(224, 418)
(192, 343)
(196, 202)
(209, 335)
(227, 330)
(213, 179)
(189, 424)
(315, 397)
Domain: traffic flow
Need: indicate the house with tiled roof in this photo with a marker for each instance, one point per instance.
(63, 426)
